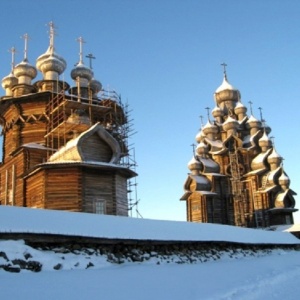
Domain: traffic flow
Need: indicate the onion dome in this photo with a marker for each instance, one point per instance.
(210, 129)
(274, 158)
(81, 73)
(230, 124)
(284, 181)
(25, 72)
(194, 165)
(201, 149)
(226, 92)
(199, 136)
(50, 63)
(10, 80)
(240, 109)
(217, 113)
(264, 142)
(253, 123)
(95, 86)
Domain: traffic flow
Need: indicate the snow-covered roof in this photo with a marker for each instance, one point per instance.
(28, 220)
(209, 165)
(224, 86)
(74, 150)
(259, 161)
(36, 146)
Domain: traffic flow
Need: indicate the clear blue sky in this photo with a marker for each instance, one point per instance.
(164, 57)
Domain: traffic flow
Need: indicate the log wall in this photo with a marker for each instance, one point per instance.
(33, 133)
(11, 181)
(121, 195)
(63, 189)
(98, 187)
(96, 149)
(35, 190)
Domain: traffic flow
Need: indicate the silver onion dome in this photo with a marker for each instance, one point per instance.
(10, 80)
(81, 71)
(51, 64)
(95, 86)
(25, 72)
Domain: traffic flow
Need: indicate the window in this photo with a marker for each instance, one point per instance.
(99, 207)
(195, 207)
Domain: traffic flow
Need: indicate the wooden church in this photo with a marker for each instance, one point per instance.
(64, 147)
(236, 175)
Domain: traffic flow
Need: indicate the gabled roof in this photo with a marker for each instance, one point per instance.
(83, 148)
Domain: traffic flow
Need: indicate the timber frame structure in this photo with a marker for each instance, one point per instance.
(237, 177)
(63, 148)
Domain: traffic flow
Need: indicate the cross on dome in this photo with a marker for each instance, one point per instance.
(90, 56)
(272, 138)
(224, 65)
(194, 146)
(51, 35)
(207, 108)
(263, 121)
(201, 118)
(80, 40)
(26, 38)
(13, 51)
(250, 104)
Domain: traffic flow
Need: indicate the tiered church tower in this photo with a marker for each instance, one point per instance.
(237, 176)
(63, 148)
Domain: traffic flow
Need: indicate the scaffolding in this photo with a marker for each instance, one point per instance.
(70, 115)
(237, 189)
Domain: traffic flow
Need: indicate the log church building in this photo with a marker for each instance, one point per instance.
(64, 147)
(236, 175)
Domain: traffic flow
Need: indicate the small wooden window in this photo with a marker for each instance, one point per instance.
(100, 207)
(195, 207)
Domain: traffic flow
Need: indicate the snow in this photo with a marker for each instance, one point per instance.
(224, 86)
(19, 219)
(273, 275)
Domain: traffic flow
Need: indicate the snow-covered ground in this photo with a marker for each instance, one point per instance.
(270, 276)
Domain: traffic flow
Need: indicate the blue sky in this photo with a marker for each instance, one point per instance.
(164, 58)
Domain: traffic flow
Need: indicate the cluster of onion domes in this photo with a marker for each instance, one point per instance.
(230, 115)
(51, 65)
(235, 156)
